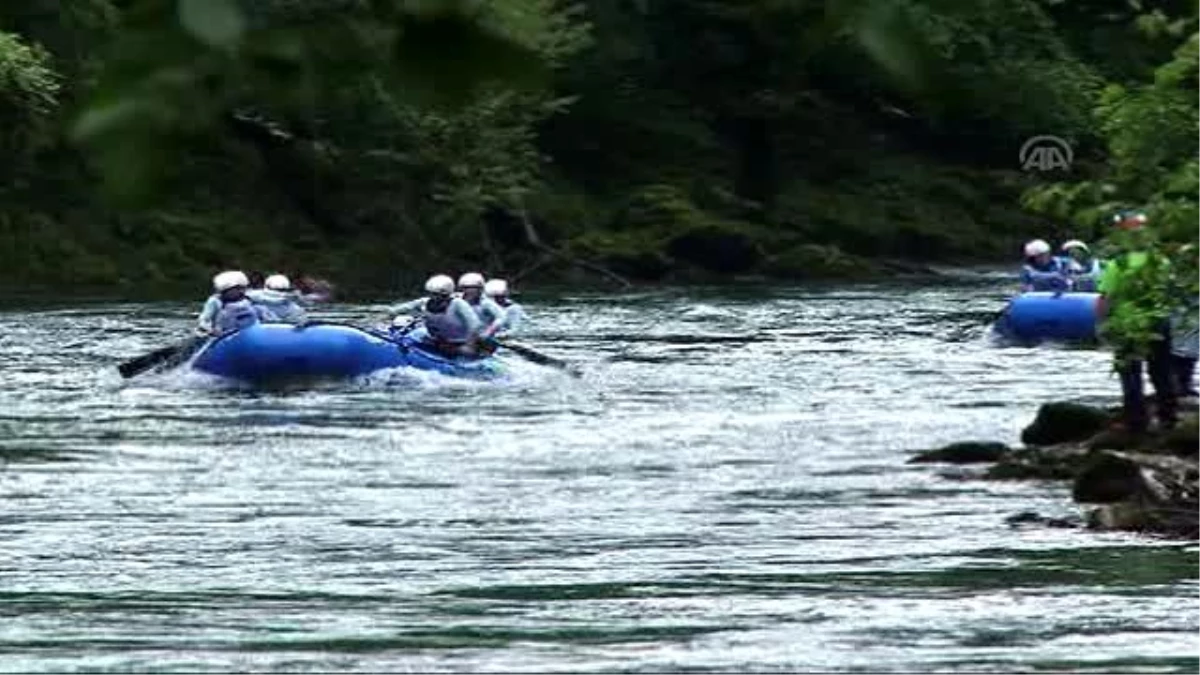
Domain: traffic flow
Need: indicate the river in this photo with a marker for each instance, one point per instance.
(725, 488)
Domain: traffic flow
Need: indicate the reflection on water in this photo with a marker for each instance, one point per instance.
(723, 489)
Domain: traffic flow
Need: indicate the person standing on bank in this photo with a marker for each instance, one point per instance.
(1186, 332)
(1127, 307)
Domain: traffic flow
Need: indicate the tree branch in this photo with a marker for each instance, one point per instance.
(535, 241)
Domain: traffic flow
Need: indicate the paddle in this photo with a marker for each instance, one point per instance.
(527, 353)
(162, 356)
(537, 357)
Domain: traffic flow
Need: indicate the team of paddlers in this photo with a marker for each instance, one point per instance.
(457, 319)
(1075, 270)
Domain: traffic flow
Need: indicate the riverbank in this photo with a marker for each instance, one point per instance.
(354, 288)
(895, 213)
(1123, 482)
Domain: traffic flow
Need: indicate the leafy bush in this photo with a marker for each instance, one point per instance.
(29, 93)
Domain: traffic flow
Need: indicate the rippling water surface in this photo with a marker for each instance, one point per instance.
(724, 488)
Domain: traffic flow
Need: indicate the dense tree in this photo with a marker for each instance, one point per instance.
(1151, 129)
(374, 140)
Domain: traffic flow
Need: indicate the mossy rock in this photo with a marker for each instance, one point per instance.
(1115, 439)
(1034, 518)
(659, 226)
(814, 261)
(1128, 516)
(1107, 477)
(1064, 422)
(659, 208)
(970, 452)
(1061, 463)
(1184, 439)
(637, 255)
(716, 247)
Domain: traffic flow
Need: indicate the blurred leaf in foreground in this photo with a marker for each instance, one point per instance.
(176, 66)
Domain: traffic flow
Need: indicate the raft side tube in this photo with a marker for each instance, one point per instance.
(1043, 315)
(271, 352)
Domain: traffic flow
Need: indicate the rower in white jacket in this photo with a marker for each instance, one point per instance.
(470, 288)
(287, 304)
(451, 325)
(514, 314)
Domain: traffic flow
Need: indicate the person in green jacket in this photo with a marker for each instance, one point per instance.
(1128, 287)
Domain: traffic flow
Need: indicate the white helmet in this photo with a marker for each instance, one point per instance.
(278, 282)
(471, 280)
(230, 279)
(1075, 243)
(439, 285)
(495, 288)
(1036, 247)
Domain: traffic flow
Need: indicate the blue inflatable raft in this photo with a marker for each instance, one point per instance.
(271, 353)
(1045, 316)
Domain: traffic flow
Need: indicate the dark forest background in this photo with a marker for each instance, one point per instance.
(150, 143)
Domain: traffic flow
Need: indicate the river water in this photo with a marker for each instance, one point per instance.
(725, 488)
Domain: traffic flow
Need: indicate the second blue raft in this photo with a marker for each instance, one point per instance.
(1043, 316)
(268, 353)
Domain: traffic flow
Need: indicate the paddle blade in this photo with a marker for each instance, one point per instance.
(537, 357)
(146, 361)
(173, 354)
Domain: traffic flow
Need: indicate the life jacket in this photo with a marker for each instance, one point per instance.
(1048, 277)
(235, 316)
(442, 324)
(1084, 276)
(282, 305)
(1052, 265)
(514, 316)
(487, 309)
(478, 308)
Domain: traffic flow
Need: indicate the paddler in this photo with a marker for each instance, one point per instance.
(450, 324)
(286, 303)
(1081, 267)
(228, 309)
(1041, 272)
(514, 314)
(491, 315)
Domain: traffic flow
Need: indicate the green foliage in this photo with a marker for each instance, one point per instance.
(1143, 299)
(70, 30)
(1151, 131)
(999, 63)
(1125, 41)
(481, 156)
(374, 138)
(29, 95)
(176, 66)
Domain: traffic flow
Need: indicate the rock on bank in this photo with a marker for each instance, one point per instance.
(1128, 482)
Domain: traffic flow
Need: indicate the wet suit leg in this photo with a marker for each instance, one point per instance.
(1184, 370)
(1133, 399)
(441, 347)
(1161, 375)
(451, 350)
